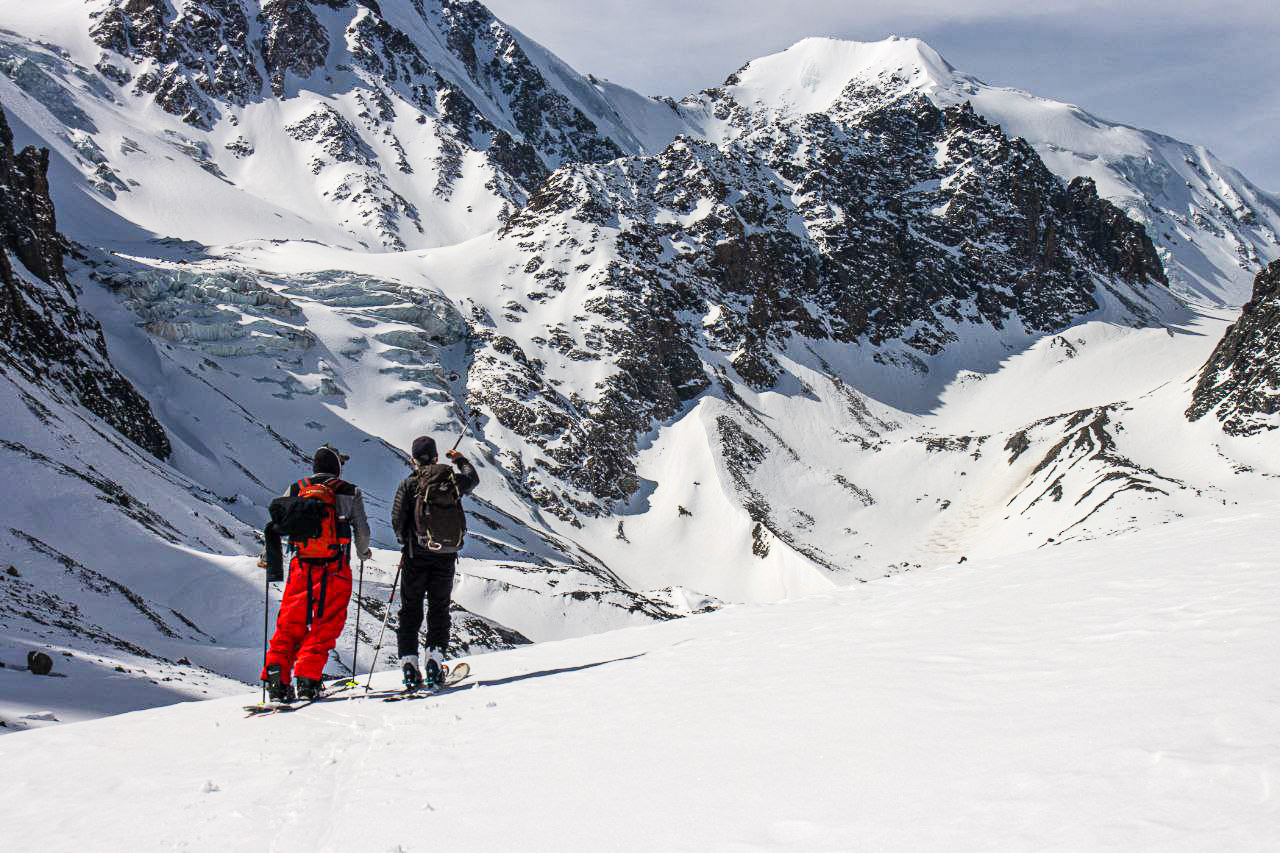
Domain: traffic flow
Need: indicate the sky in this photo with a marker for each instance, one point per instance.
(1203, 72)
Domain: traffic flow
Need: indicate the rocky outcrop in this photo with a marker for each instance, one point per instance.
(499, 64)
(195, 57)
(887, 223)
(49, 341)
(1240, 383)
(198, 54)
(294, 42)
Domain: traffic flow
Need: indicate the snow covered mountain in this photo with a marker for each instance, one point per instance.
(849, 313)
(418, 125)
(1213, 228)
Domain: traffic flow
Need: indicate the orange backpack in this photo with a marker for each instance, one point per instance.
(328, 544)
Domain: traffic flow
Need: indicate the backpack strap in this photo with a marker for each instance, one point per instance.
(333, 484)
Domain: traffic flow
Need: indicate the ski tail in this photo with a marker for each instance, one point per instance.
(456, 674)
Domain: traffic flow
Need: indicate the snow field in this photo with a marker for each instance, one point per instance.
(1109, 695)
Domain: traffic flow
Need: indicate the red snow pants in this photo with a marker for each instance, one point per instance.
(313, 611)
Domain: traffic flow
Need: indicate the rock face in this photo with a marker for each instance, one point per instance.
(198, 53)
(497, 62)
(484, 95)
(49, 341)
(1240, 384)
(883, 223)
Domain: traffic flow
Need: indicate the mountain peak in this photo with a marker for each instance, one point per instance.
(810, 75)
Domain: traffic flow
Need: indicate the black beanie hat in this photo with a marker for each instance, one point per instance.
(327, 460)
(424, 449)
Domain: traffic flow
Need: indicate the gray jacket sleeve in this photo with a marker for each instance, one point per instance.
(359, 523)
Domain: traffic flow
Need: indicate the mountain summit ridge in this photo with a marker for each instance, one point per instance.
(1214, 228)
(488, 113)
(823, 67)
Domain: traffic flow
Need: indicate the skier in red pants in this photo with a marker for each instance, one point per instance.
(321, 514)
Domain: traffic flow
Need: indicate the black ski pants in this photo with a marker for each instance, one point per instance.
(429, 576)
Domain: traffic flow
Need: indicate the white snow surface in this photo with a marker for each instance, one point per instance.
(1091, 676)
(1106, 695)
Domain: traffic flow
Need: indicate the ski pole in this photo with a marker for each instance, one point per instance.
(266, 616)
(386, 617)
(355, 651)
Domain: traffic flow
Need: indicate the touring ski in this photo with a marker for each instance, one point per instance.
(331, 689)
(451, 678)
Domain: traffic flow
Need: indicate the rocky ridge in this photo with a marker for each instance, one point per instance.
(1240, 383)
(893, 225)
(208, 61)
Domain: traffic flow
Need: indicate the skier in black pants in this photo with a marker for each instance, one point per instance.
(429, 522)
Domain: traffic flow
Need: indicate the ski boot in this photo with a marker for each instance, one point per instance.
(277, 690)
(435, 668)
(309, 689)
(412, 675)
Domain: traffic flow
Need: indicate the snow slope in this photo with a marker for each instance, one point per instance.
(1109, 695)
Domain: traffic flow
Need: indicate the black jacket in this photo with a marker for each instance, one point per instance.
(402, 521)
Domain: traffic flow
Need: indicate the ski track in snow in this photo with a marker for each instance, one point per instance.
(1108, 695)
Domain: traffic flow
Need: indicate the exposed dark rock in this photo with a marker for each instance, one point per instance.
(197, 57)
(1079, 442)
(197, 49)
(39, 663)
(294, 42)
(886, 223)
(177, 95)
(49, 341)
(336, 136)
(1240, 383)
(132, 27)
(498, 64)
(470, 632)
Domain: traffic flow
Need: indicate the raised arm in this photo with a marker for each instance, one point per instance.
(467, 477)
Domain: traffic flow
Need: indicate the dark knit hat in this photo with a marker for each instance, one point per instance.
(424, 449)
(328, 460)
